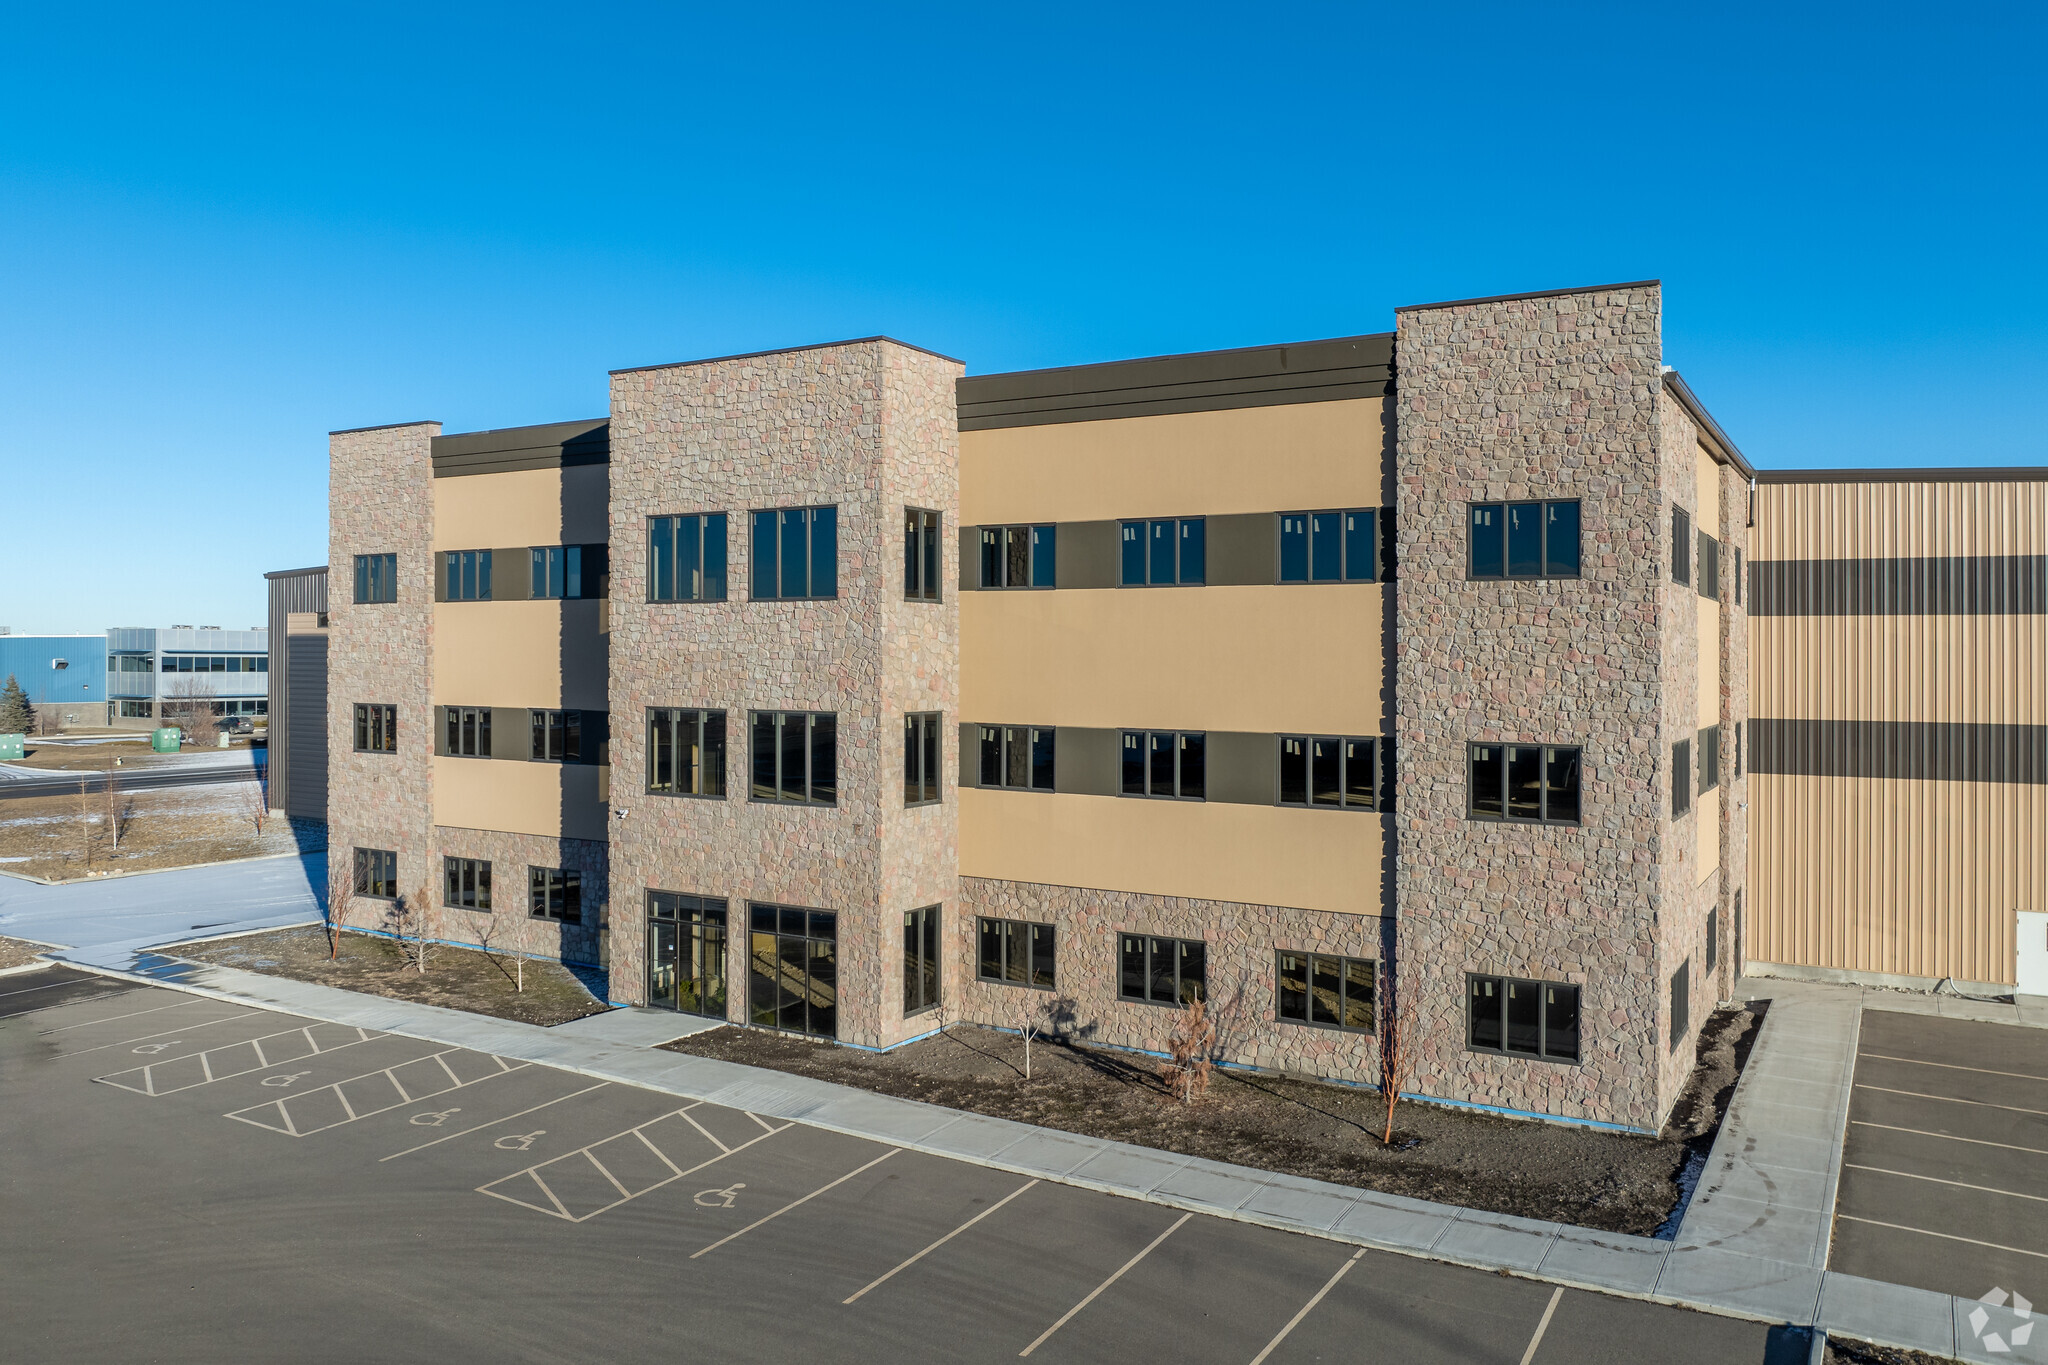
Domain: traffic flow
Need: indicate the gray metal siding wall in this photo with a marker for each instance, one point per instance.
(305, 728)
(294, 590)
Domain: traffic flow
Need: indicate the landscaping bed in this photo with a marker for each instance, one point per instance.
(1840, 1352)
(15, 953)
(1612, 1181)
(456, 978)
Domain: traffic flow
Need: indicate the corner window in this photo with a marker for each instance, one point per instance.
(376, 579)
(1163, 553)
(1015, 952)
(1522, 1018)
(1524, 539)
(921, 557)
(466, 731)
(793, 969)
(1528, 783)
(569, 571)
(554, 893)
(377, 873)
(1019, 556)
(1017, 756)
(1167, 763)
(376, 728)
(1710, 566)
(686, 558)
(921, 758)
(796, 553)
(920, 960)
(1710, 758)
(1681, 546)
(1329, 547)
(466, 883)
(1681, 778)
(557, 736)
(1162, 971)
(1681, 1002)
(685, 752)
(466, 575)
(1328, 771)
(796, 757)
(1326, 992)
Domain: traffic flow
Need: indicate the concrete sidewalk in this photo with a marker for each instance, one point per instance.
(1753, 1244)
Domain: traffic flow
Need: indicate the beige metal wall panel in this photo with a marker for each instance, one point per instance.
(550, 799)
(1886, 520)
(1299, 456)
(525, 507)
(1973, 669)
(1255, 855)
(1272, 658)
(1877, 875)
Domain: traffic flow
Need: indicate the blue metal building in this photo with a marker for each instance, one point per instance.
(67, 673)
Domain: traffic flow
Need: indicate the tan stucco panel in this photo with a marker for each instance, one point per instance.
(514, 654)
(1259, 855)
(526, 507)
(1709, 626)
(1273, 459)
(1305, 657)
(1706, 485)
(549, 799)
(1706, 836)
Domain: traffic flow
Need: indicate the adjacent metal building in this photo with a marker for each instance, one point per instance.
(298, 692)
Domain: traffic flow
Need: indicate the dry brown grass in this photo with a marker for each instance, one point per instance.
(15, 953)
(46, 836)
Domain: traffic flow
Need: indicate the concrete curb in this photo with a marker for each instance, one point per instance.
(1701, 1277)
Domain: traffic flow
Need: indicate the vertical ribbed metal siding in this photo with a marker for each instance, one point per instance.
(1917, 877)
(296, 590)
(304, 724)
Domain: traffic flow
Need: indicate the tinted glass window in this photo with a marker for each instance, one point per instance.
(1162, 559)
(1525, 539)
(1525, 782)
(1293, 548)
(1133, 562)
(1525, 1017)
(1358, 545)
(1561, 539)
(764, 577)
(1489, 552)
(1326, 547)
(1561, 785)
(1561, 1022)
(1194, 551)
(1044, 556)
(1483, 1013)
(1294, 770)
(1488, 776)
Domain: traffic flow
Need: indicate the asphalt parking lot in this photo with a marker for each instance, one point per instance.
(185, 1179)
(1943, 1182)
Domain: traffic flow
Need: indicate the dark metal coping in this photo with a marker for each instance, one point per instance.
(1717, 437)
(790, 350)
(296, 573)
(2019, 473)
(1538, 294)
(1203, 381)
(386, 426)
(551, 445)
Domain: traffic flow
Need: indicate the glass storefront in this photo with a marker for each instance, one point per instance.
(686, 953)
(793, 969)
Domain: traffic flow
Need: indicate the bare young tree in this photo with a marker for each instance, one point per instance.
(189, 706)
(341, 898)
(1035, 1019)
(1190, 1049)
(111, 799)
(1393, 1058)
(411, 923)
(252, 803)
(487, 939)
(85, 820)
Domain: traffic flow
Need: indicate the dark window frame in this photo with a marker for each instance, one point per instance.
(1151, 946)
(666, 726)
(1713, 949)
(1681, 546)
(466, 731)
(924, 759)
(543, 729)
(1006, 933)
(704, 922)
(994, 545)
(1543, 552)
(376, 579)
(924, 555)
(1709, 565)
(1735, 774)
(550, 564)
(664, 536)
(1307, 1017)
(1374, 553)
(376, 727)
(466, 884)
(1681, 1003)
(549, 892)
(1005, 737)
(1345, 758)
(1179, 747)
(1180, 577)
(466, 575)
(1709, 750)
(811, 786)
(811, 516)
(790, 923)
(1738, 574)
(924, 957)
(1543, 1052)
(1545, 759)
(375, 867)
(1681, 779)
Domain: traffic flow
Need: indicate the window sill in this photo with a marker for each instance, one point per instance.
(1521, 1056)
(1147, 796)
(793, 805)
(677, 601)
(1156, 1004)
(1038, 791)
(1326, 1028)
(1322, 806)
(693, 796)
(1523, 822)
(921, 805)
(1015, 985)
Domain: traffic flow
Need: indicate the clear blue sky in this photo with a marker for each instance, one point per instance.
(225, 232)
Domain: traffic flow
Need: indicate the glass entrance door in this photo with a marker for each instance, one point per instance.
(686, 953)
(661, 963)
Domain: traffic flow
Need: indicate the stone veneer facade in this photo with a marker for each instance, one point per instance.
(380, 501)
(868, 426)
(509, 927)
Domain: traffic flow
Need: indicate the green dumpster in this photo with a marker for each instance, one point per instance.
(165, 740)
(11, 746)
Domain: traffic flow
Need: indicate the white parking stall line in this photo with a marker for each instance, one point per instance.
(873, 1284)
(1094, 1293)
(559, 1210)
(290, 1127)
(735, 1236)
(1952, 1066)
(706, 1131)
(1549, 1310)
(144, 1038)
(47, 986)
(662, 1156)
(494, 1122)
(1945, 1236)
(143, 1079)
(1307, 1308)
(1947, 1137)
(1937, 1180)
(132, 1014)
(1954, 1099)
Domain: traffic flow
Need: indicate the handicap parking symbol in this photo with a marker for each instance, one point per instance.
(279, 1082)
(149, 1048)
(434, 1119)
(518, 1142)
(719, 1199)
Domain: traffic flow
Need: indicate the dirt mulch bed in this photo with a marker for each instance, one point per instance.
(64, 838)
(15, 953)
(1611, 1181)
(1841, 1352)
(456, 978)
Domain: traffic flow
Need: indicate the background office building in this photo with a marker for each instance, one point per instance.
(149, 670)
(1393, 681)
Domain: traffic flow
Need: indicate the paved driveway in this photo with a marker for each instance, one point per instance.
(1945, 1168)
(189, 1179)
(166, 907)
